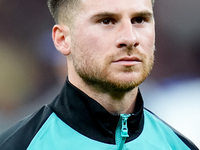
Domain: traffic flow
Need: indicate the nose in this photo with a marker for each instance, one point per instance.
(127, 36)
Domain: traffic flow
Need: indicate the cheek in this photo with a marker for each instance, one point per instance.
(95, 45)
(86, 48)
(148, 43)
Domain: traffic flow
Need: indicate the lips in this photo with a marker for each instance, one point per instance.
(128, 61)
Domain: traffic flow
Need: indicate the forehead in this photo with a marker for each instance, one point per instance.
(95, 6)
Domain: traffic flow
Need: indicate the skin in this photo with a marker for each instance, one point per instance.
(110, 50)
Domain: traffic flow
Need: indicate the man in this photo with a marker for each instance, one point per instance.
(110, 50)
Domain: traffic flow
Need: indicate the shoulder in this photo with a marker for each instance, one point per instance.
(171, 135)
(20, 135)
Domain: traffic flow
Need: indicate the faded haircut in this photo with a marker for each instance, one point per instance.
(64, 10)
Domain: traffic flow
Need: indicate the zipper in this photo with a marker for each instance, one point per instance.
(121, 132)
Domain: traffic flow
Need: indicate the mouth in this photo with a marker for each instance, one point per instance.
(128, 61)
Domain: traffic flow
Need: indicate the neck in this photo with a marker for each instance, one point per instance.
(115, 102)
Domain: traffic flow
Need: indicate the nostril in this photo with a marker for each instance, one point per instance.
(127, 41)
(125, 45)
(122, 45)
(136, 44)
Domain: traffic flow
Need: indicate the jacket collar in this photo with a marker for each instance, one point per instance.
(89, 118)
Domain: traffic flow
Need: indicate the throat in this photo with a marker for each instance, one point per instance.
(117, 103)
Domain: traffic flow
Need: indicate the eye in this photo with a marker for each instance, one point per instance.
(107, 21)
(138, 20)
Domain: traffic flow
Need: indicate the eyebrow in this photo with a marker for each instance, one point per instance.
(144, 14)
(111, 14)
(104, 14)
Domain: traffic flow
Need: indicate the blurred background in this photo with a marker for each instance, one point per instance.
(32, 71)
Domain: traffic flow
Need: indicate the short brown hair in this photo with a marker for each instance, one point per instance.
(58, 7)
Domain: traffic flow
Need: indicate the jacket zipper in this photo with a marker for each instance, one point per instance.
(121, 132)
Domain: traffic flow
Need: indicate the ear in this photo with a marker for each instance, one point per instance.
(61, 38)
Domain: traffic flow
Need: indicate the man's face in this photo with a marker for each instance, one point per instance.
(113, 43)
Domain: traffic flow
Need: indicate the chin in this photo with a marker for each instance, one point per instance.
(122, 85)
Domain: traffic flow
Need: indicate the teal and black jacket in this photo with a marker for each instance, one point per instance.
(74, 121)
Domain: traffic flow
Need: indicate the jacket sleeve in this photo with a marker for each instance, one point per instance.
(19, 136)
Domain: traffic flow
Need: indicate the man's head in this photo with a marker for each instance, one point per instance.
(111, 45)
(64, 10)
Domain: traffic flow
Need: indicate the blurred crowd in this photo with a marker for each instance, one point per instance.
(32, 71)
